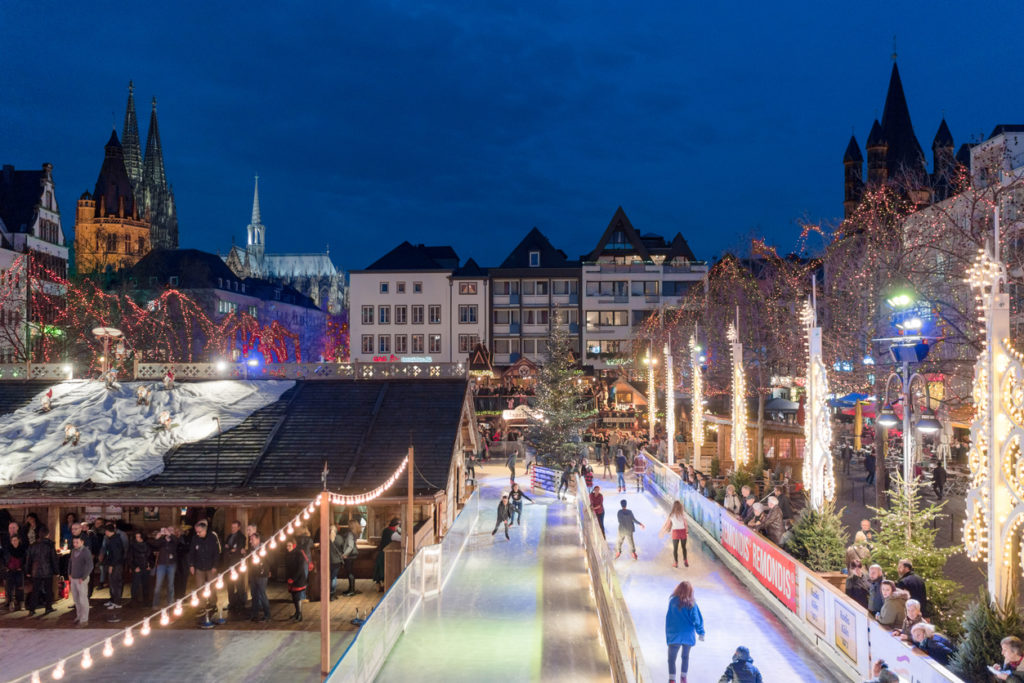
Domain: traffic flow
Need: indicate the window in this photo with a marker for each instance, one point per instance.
(506, 317)
(604, 346)
(367, 315)
(252, 311)
(467, 288)
(675, 287)
(127, 244)
(534, 259)
(566, 316)
(435, 315)
(506, 346)
(417, 343)
(384, 315)
(174, 281)
(401, 315)
(563, 287)
(400, 287)
(417, 315)
(608, 288)
(111, 243)
(528, 286)
(644, 288)
(435, 344)
(618, 241)
(640, 316)
(401, 343)
(467, 314)
(537, 316)
(467, 342)
(142, 245)
(383, 288)
(367, 343)
(505, 287)
(542, 287)
(384, 343)
(226, 307)
(220, 282)
(417, 288)
(598, 319)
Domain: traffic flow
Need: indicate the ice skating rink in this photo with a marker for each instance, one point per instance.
(732, 616)
(517, 610)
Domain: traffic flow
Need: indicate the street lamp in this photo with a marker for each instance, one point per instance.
(926, 424)
(887, 418)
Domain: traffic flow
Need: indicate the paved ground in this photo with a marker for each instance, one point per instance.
(856, 496)
(517, 610)
(732, 616)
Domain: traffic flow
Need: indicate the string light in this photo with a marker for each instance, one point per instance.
(145, 628)
(108, 648)
(128, 637)
(178, 609)
(164, 618)
(86, 659)
(740, 448)
(195, 599)
(220, 582)
(58, 671)
(697, 393)
(818, 475)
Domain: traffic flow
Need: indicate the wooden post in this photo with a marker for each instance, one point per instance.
(325, 585)
(410, 545)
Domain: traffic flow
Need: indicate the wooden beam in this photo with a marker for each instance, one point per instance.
(325, 585)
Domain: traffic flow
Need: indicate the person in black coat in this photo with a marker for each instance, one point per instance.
(296, 572)
(41, 565)
(391, 533)
(741, 669)
(234, 551)
(936, 646)
(857, 586)
(912, 583)
(140, 559)
(504, 515)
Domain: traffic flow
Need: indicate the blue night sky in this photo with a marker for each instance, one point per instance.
(467, 123)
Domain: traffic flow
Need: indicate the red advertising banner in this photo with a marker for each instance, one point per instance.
(774, 569)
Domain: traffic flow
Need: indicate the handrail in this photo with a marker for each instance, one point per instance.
(625, 655)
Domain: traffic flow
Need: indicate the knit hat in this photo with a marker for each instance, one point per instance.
(742, 654)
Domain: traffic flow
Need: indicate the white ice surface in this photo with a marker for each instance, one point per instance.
(120, 440)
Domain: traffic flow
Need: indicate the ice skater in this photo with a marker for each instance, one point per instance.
(676, 524)
(741, 669)
(620, 470)
(683, 623)
(597, 505)
(504, 515)
(515, 497)
(511, 465)
(563, 485)
(627, 525)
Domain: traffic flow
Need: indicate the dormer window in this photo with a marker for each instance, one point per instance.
(173, 280)
(220, 283)
(535, 259)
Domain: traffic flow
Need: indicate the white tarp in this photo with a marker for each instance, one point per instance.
(120, 440)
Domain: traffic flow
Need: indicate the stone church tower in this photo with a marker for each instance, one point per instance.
(148, 178)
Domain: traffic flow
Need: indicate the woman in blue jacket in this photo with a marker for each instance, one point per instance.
(683, 623)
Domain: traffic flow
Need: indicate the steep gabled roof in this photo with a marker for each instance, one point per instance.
(963, 156)
(536, 241)
(943, 138)
(416, 257)
(1007, 128)
(679, 248)
(113, 183)
(904, 150)
(194, 269)
(852, 154)
(470, 269)
(21, 193)
(620, 223)
(876, 137)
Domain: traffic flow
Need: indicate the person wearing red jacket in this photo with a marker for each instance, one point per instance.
(597, 505)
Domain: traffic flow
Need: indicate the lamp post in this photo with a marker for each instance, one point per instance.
(926, 423)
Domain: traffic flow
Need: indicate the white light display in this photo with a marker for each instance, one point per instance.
(818, 474)
(697, 417)
(740, 448)
(670, 405)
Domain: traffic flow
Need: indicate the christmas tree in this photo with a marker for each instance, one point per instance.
(985, 624)
(907, 530)
(561, 407)
(818, 539)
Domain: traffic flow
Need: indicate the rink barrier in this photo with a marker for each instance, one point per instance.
(625, 655)
(302, 371)
(825, 616)
(423, 578)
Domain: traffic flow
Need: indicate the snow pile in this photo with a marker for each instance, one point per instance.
(119, 439)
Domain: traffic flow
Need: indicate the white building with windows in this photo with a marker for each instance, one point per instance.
(626, 278)
(416, 302)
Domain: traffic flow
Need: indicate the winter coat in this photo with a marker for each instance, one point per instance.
(166, 549)
(597, 502)
(860, 553)
(914, 584)
(387, 536)
(772, 525)
(139, 555)
(786, 505)
(875, 599)
(741, 671)
(858, 588)
(682, 624)
(204, 552)
(234, 548)
(1016, 673)
(296, 570)
(80, 565)
(114, 551)
(627, 522)
(909, 623)
(337, 542)
(517, 495)
(620, 463)
(731, 503)
(504, 511)
(894, 610)
(937, 647)
(41, 559)
(349, 549)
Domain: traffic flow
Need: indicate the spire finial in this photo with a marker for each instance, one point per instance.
(131, 88)
(256, 203)
(154, 103)
(894, 49)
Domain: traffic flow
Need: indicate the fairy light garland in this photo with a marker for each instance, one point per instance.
(818, 474)
(670, 406)
(740, 448)
(697, 393)
(235, 572)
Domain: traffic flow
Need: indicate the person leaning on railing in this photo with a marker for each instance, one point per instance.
(936, 646)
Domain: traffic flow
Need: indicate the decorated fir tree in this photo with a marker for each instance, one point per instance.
(985, 624)
(561, 407)
(818, 539)
(907, 530)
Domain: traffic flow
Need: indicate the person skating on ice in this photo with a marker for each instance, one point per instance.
(683, 623)
(504, 515)
(627, 525)
(620, 470)
(676, 525)
(563, 485)
(515, 498)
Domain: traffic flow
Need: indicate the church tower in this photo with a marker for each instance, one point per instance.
(256, 232)
(156, 198)
(130, 142)
(853, 177)
(944, 171)
(878, 152)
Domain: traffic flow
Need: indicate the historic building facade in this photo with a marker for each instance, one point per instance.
(149, 180)
(894, 155)
(110, 233)
(33, 254)
(314, 275)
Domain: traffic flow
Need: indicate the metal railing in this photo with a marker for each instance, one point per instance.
(423, 578)
(622, 643)
(24, 371)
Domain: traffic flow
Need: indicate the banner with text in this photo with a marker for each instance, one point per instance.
(773, 568)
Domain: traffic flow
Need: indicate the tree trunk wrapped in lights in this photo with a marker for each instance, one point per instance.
(995, 502)
(818, 475)
(652, 399)
(697, 417)
(740, 448)
(670, 405)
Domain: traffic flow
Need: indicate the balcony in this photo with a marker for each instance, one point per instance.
(606, 299)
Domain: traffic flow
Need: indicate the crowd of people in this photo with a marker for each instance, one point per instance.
(160, 567)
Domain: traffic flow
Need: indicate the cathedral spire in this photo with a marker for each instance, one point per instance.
(153, 165)
(904, 153)
(256, 203)
(130, 140)
(256, 233)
